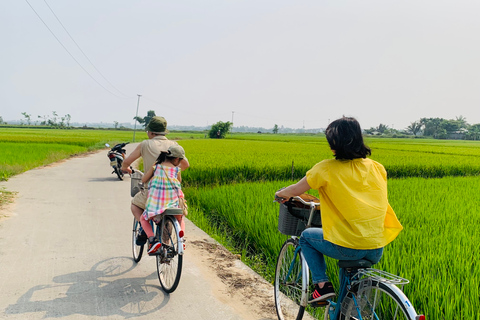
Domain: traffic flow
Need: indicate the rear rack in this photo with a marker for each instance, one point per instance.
(381, 276)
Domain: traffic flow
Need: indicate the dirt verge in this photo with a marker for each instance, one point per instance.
(255, 293)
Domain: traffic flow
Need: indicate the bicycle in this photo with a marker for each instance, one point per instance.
(364, 293)
(169, 258)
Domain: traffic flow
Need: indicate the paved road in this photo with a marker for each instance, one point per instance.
(65, 253)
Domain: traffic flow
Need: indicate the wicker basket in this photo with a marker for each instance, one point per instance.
(135, 183)
(293, 220)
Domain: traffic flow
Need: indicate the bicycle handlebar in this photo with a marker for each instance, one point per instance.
(299, 199)
(133, 171)
(308, 203)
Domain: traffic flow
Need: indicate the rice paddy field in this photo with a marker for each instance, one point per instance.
(433, 188)
(25, 149)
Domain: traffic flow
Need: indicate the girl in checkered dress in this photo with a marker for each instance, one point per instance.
(164, 191)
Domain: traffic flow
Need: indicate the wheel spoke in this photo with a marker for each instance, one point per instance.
(376, 302)
(136, 250)
(288, 283)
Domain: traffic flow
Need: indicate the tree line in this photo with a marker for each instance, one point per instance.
(437, 128)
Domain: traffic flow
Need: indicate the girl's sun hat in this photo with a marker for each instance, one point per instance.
(176, 151)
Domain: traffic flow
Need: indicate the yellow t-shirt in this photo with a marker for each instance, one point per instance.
(354, 204)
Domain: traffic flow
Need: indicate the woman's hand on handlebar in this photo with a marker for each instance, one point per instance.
(279, 198)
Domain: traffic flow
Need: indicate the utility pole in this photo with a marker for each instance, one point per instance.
(136, 115)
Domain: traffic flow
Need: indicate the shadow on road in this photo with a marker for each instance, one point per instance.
(106, 179)
(102, 291)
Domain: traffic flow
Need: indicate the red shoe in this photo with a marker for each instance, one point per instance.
(322, 294)
(153, 247)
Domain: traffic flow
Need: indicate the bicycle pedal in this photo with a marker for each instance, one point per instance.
(158, 253)
(319, 304)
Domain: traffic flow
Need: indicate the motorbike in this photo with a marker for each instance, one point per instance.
(116, 156)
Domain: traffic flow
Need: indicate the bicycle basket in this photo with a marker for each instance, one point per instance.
(135, 183)
(293, 217)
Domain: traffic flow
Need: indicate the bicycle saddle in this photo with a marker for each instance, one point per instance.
(358, 264)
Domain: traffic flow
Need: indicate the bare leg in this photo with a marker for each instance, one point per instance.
(137, 212)
(181, 221)
(147, 227)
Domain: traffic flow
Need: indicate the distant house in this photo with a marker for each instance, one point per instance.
(458, 135)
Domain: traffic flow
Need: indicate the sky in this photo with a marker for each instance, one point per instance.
(254, 62)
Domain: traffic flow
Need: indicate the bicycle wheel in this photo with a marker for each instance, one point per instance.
(377, 300)
(136, 250)
(289, 286)
(169, 262)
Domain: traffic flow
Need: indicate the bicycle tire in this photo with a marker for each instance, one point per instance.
(169, 262)
(289, 287)
(377, 300)
(137, 251)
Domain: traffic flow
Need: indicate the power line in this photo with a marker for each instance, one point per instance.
(71, 54)
(56, 17)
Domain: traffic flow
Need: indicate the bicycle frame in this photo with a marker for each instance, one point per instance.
(345, 284)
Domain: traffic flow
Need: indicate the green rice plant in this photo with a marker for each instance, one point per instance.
(83, 137)
(248, 213)
(20, 157)
(438, 251)
(225, 161)
(452, 147)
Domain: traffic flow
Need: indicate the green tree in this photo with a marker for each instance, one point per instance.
(1, 120)
(68, 117)
(220, 129)
(461, 122)
(44, 122)
(370, 131)
(53, 122)
(382, 128)
(115, 123)
(414, 127)
(275, 129)
(27, 117)
(432, 126)
(474, 132)
(145, 120)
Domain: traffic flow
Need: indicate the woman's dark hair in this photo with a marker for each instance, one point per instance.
(344, 135)
(164, 155)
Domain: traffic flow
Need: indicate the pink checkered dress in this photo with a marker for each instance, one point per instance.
(161, 193)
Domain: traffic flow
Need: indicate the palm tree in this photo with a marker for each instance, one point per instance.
(415, 127)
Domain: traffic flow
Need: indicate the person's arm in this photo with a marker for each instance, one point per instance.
(148, 175)
(184, 164)
(130, 158)
(179, 176)
(293, 190)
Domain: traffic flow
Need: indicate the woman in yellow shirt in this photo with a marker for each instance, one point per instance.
(357, 220)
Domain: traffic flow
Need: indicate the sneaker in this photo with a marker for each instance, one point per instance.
(153, 247)
(322, 294)
(141, 238)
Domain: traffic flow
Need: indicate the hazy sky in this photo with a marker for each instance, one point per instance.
(291, 63)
